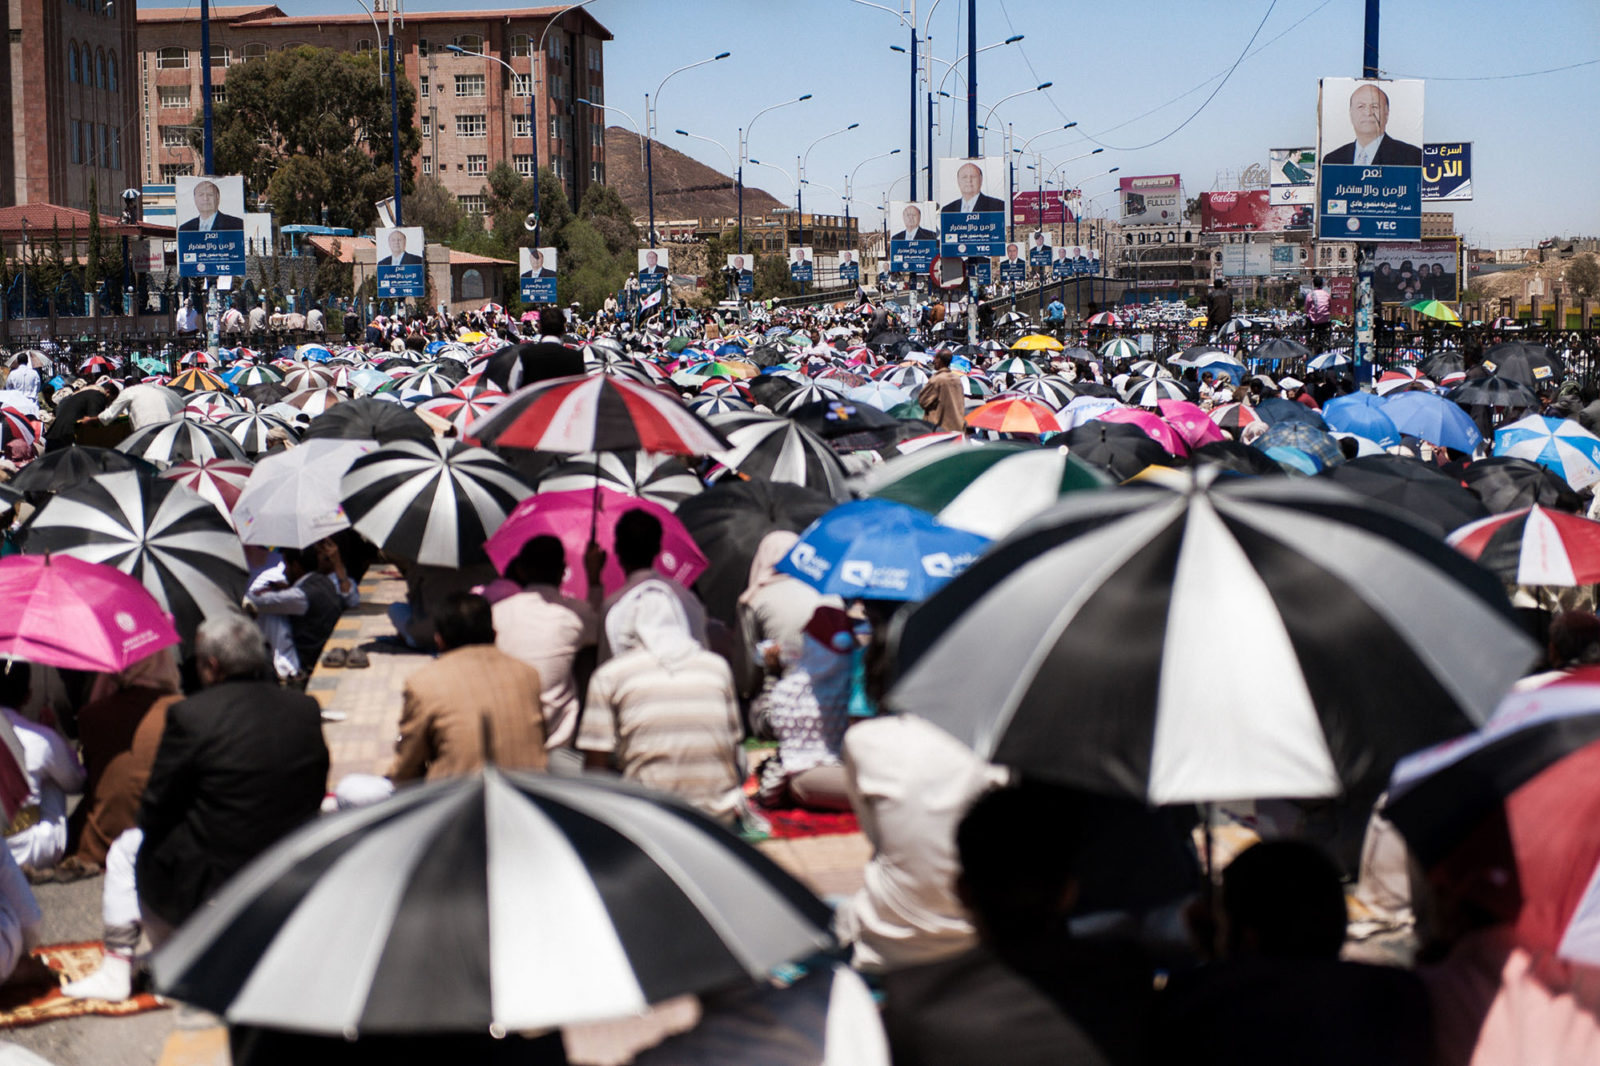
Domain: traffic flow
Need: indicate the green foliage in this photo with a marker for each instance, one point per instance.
(333, 277)
(436, 209)
(772, 277)
(310, 128)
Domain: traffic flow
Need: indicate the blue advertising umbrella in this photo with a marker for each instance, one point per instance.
(1363, 420)
(1434, 419)
(880, 550)
(1560, 444)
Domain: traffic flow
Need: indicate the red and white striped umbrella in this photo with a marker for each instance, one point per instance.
(14, 425)
(200, 358)
(463, 411)
(596, 414)
(218, 481)
(1534, 546)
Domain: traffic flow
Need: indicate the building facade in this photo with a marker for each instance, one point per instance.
(73, 117)
(472, 113)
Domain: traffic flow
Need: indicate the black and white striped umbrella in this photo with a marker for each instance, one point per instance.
(662, 479)
(314, 402)
(707, 404)
(167, 536)
(768, 448)
(503, 902)
(1103, 620)
(252, 431)
(426, 382)
(812, 393)
(1057, 392)
(209, 400)
(308, 378)
(180, 440)
(433, 502)
(1149, 392)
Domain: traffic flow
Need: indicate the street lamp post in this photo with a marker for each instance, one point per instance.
(933, 93)
(394, 107)
(972, 143)
(908, 19)
(650, 132)
(744, 154)
(850, 181)
(800, 171)
(535, 62)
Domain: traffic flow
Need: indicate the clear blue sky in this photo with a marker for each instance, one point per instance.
(1129, 74)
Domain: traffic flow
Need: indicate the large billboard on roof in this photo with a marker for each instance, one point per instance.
(1152, 200)
(1250, 211)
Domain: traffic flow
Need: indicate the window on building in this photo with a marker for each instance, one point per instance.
(472, 126)
(594, 59)
(364, 45)
(596, 93)
(171, 172)
(86, 61)
(520, 45)
(469, 42)
(558, 87)
(219, 95)
(427, 125)
(72, 65)
(559, 165)
(597, 135)
(220, 55)
(524, 164)
(422, 46)
(172, 59)
(427, 164)
(521, 126)
(111, 71)
(474, 204)
(99, 69)
(105, 147)
(469, 84)
(477, 164)
(116, 149)
(254, 51)
(522, 85)
(75, 149)
(472, 284)
(597, 173)
(423, 85)
(173, 95)
(555, 128)
(111, 9)
(553, 49)
(174, 136)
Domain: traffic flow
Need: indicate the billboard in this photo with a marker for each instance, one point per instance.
(980, 271)
(973, 209)
(399, 252)
(1014, 264)
(1292, 176)
(801, 265)
(1422, 270)
(1369, 145)
(1074, 260)
(536, 269)
(743, 267)
(1341, 295)
(1447, 171)
(1250, 211)
(849, 266)
(653, 264)
(209, 213)
(1033, 208)
(915, 245)
(1152, 200)
(1040, 242)
(1247, 261)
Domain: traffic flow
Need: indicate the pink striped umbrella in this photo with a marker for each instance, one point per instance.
(218, 481)
(1151, 424)
(1191, 422)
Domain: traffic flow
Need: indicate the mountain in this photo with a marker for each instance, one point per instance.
(685, 187)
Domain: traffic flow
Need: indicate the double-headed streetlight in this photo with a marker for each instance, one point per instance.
(744, 154)
(533, 119)
(650, 105)
(1041, 87)
(394, 104)
(933, 93)
(850, 182)
(800, 174)
(908, 19)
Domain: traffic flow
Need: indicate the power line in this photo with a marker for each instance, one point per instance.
(1502, 77)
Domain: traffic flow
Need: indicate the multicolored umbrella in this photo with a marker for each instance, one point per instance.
(1534, 546)
(197, 380)
(461, 411)
(1558, 444)
(1014, 414)
(1443, 312)
(596, 414)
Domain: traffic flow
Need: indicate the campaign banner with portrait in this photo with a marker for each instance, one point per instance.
(1013, 268)
(209, 214)
(980, 270)
(915, 244)
(536, 267)
(1074, 260)
(972, 206)
(1041, 244)
(1447, 171)
(849, 266)
(743, 267)
(401, 271)
(802, 267)
(1369, 150)
(1249, 211)
(1292, 176)
(653, 264)
(1151, 200)
(1421, 270)
(1040, 207)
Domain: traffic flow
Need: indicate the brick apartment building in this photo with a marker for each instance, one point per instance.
(73, 115)
(472, 114)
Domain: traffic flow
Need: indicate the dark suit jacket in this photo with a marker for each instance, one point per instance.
(984, 202)
(544, 273)
(653, 272)
(240, 765)
(918, 234)
(223, 222)
(1391, 153)
(406, 259)
(523, 364)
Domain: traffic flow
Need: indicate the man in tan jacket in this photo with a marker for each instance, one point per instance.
(942, 398)
(473, 697)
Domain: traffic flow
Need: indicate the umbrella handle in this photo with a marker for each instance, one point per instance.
(488, 740)
(594, 509)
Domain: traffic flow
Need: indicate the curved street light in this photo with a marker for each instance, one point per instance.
(650, 133)
(744, 154)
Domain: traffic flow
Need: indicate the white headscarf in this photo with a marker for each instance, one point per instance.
(651, 617)
(769, 553)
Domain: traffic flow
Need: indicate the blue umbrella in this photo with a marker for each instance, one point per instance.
(731, 350)
(880, 550)
(1560, 444)
(1274, 410)
(1362, 420)
(1434, 419)
(1357, 398)
(1295, 461)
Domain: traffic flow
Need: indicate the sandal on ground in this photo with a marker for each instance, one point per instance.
(357, 659)
(336, 657)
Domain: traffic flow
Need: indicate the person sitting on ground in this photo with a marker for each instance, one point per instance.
(551, 632)
(37, 835)
(473, 706)
(309, 592)
(773, 611)
(637, 542)
(662, 710)
(807, 711)
(427, 587)
(1279, 991)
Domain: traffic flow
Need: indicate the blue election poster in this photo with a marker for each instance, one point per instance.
(537, 270)
(401, 263)
(972, 207)
(209, 212)
(801, 266)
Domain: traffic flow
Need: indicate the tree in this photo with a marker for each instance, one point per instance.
(603, 209)
(509, 197)
(334, 278)
(1583, 275)
(436, 209)
(310, 129)
(772, 277)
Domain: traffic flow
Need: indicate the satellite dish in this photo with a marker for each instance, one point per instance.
(530, 222)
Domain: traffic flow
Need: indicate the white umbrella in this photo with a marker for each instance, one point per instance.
(293, 497)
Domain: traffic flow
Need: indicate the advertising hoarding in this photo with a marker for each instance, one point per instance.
(1292, 176)
(973, 209)
(399, 253)
(536, 269)
(1250, 211)
(653, 264)
(1152, 200)
(849, 266)
(209, 213)
(1051, 206)
(743, 267)
(1447, 171)
(801, 266)
(915, 245)
(1369, 144)
(1422, 270)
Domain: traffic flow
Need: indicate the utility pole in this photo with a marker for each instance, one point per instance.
(1365, 307)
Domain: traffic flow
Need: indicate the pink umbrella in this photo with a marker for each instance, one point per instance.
(568, 515)
(1191, 422)
(219, 481)
(1152, 425)
(60, 611)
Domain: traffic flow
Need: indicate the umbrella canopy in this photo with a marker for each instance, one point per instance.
(1098, 620)
(1236, 458)
(198, 380)
(76, 615)
(1277, 348)
(1362, 419)
(1119, 348)
(1532, 364)
(367, 419)
(1434, 419)
(1149, 392)
(308, 379)
(1493, 391)
(1011, 413)
(1330, 361)
(1233, 417)
(1120, 450)
(661, 479)
(1275, 409)
(1053, 391)
(1507, 484)
(253, 432)
(1191, 421)
(1320, 446)
(596, 414)
(67, 467)
(293, 497)
(1036, 342)
(880, 550)
(1534, 546)
(172, 540)
(180, 440)
(1017, 365)
(986, 489)
(1152, 426)
(502, 902)
(768, 448)
(879, 394)
(572, 515)
(1433, 498)
(1558, 444)
(219, 481)
(430, 502)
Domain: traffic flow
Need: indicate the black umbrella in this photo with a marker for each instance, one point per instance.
(1532, 364)
(1280, 348)
(365, 418)
(1275, 409)
(266, 393)
(64, 468)
(728, 521)
(1236, 457)
(1120, 449)
(1441, 365)
(1493, 391)
(1435, 500)
(767, 355)
(848, 426)
(1091, 387)
(1505, 483)
(769, 389)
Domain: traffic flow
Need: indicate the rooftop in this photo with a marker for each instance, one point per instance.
(41, 217)
(351, 248)
(270, 15)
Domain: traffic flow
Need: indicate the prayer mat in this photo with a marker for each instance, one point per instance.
(24, 1006)
(789, 823)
